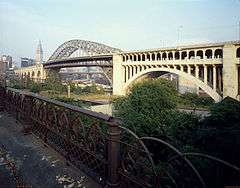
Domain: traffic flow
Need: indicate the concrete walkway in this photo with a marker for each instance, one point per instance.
(37, 165)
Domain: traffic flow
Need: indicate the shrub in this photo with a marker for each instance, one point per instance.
(35, 87)
(196, 100)
(149, 110)
(94, 89)
(78, 90)
(225, 113)
(53, 82)
(148, 107)
(71, 101)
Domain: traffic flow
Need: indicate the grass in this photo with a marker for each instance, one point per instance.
(84, 96)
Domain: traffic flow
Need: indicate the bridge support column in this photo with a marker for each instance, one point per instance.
(214, 78)
(118, 75)
(219, 78)
(189, 69)
(205, 75)
(197, 71)
(230, 80)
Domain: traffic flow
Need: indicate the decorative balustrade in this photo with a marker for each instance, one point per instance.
(98, 144)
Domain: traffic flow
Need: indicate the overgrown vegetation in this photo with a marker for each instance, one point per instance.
(54, 86)
(71, 101)
(150, 110)
(194, 100)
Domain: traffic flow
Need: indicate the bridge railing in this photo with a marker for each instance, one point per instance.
(97, 144)
(80, 135)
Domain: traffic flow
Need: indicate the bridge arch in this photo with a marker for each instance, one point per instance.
(164, 56)
(177, 55)
(184, 55)
(238, 52)
(191, 54)
(213, 94)
(68, 48)
(218, 53)
(200, 54)
(170, 55)
(208, 53)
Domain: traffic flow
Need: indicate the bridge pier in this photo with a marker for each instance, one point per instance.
(230, 72)
(118, 75)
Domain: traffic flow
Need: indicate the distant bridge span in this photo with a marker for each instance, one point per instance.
(101, 60)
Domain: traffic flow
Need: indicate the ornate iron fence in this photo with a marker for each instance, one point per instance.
(97, 144)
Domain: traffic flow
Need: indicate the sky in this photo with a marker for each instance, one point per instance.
(124, 24)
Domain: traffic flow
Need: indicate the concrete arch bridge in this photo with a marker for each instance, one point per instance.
(215, 68)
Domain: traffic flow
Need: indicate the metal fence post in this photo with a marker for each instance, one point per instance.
(26, 114)
(113, 154)
(2, 98)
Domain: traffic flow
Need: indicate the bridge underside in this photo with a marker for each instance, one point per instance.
(81, 53)
(102, 61)
(98, 60)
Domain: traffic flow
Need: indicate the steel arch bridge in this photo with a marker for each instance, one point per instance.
(95, 54)
(92, 48)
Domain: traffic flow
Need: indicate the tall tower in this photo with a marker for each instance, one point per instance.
(39, 53)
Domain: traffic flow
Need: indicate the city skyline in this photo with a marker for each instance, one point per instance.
(128, 26)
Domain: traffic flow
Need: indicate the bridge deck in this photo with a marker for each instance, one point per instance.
(39, 166)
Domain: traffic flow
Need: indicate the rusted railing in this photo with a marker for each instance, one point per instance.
(97, 144)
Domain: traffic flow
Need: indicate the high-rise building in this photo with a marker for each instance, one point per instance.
(3, 67)
(8, 60)
(26, 62)
(39, 54)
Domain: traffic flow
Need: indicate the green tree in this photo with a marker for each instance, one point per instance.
(150, 107)
(53, 82)
(35, 87)
(192, 99)
(94, 89)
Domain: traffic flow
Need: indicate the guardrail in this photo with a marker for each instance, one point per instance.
(97, 144)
